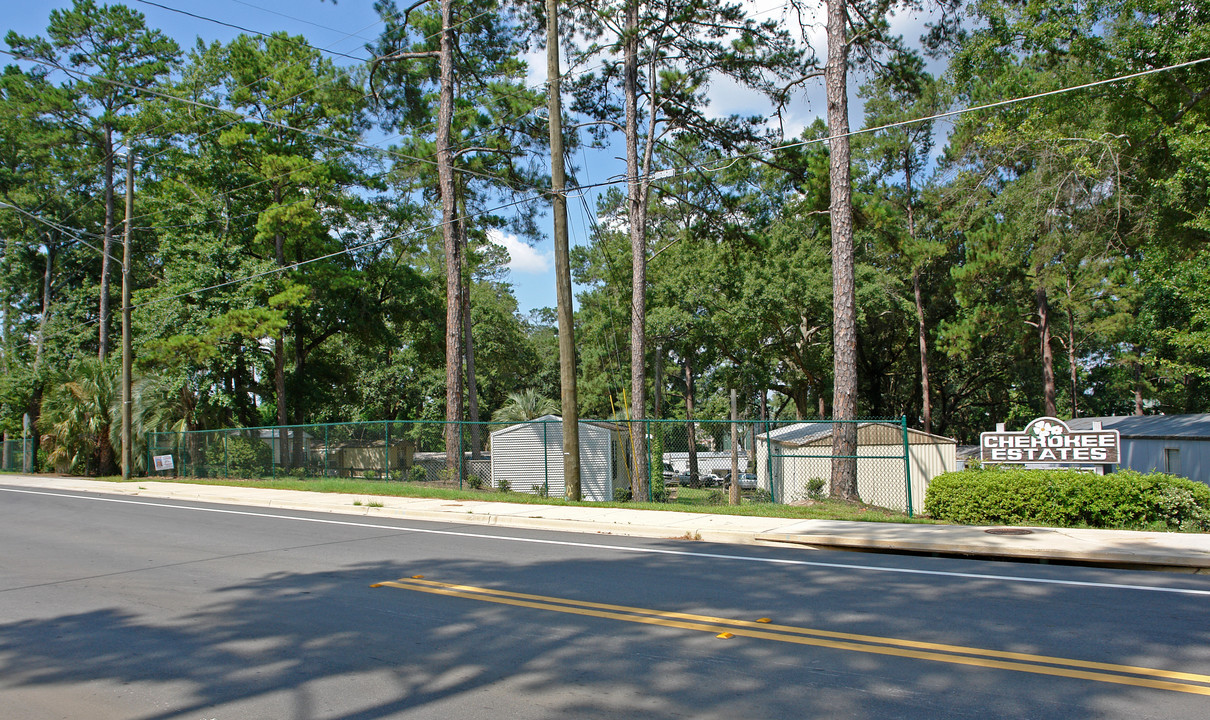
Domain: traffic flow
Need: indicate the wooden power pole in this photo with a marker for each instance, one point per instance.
(567, 339)
(127, 447)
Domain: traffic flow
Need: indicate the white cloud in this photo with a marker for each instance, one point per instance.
(521, 257)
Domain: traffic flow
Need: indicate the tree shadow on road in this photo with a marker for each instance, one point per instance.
(326, 644)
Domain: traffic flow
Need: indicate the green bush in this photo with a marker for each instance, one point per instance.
(621, 494)
(760, 496)
(417, 474)
(815, 488)
(248, 456)
(1066, 498)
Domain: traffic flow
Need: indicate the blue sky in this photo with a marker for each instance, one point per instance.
(346, 27)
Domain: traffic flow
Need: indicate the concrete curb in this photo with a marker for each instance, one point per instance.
(1090, 556)
(1173, 551)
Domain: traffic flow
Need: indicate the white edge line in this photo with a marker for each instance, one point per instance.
(622, 548)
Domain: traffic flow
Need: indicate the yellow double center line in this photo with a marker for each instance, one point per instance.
(954, 654)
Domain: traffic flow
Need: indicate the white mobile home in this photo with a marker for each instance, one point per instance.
(789, 457)
(1175, 444)
(708, 463)
(529, 456)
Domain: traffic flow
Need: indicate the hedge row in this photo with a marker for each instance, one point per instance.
(1065, 498)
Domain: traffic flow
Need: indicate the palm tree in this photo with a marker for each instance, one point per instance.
(78, 417)
(158, 406)
(82, 416)
(525, 406)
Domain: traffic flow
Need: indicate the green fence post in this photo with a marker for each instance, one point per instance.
(151, 440)
(226, 459)
(461, 472)
(326, 450)
(545, 460)
(769, 459)
(907, 463)
(386, 450)
(647, 438)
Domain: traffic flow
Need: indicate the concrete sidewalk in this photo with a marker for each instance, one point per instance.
(1183, 552)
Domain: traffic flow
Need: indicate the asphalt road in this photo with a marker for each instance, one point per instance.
(146, 609)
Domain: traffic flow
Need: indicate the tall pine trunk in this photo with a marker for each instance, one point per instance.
(1048, 357)
(1073, 364)
(1138, 383)
(844, 303)
(926, 405)
(690, 429)
(472, 385)
(638, 249)
(106, 246)
(279, 360)
(450, 238)
(34, 408)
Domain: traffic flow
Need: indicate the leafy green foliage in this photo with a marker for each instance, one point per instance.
(524, 406)
(1066, 498)
(248, 457)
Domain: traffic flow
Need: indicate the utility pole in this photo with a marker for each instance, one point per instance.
(567, 339)
(127, 447)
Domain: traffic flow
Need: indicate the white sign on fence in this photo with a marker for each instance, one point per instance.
(162, 462)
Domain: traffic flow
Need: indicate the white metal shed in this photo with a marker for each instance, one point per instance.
(529, 456)
(804, 450)
(1175, 444)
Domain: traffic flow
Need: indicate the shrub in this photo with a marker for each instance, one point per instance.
(716, 497)
(621, 494)
(417, 474)
(474, 482)
(1067, 498)
(815, 488)
(248, 456)
(760, 496)
(543, 490)
(504, 486)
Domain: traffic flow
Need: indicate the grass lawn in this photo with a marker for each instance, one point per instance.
(692, 500)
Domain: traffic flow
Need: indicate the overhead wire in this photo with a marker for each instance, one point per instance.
(241, 28)
(709, 166)
(275, 71)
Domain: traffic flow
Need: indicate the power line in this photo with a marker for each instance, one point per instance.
(957, 112)
(337, 253)
(676, 171)
(70, 232)
(346, 35)
(246, 30)
(148, 157)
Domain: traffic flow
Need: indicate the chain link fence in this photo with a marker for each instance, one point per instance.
(16, 455)
(780, 462)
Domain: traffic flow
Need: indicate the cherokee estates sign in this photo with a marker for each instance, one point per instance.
(1049, 440)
